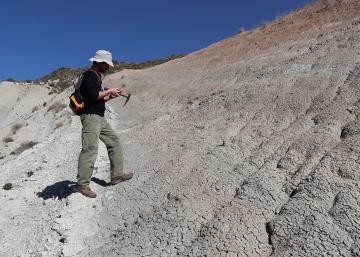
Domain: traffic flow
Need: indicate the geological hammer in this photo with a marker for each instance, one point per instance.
(127, 98)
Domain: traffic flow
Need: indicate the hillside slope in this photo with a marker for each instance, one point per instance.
(249, 147)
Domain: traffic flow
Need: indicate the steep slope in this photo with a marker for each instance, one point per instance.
(246, 148)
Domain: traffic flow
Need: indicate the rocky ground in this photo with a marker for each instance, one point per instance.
(249, 147)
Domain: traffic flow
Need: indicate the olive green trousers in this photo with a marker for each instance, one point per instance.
(95, 127)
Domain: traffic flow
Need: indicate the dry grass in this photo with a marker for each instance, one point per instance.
(294, 26)
(23, 147)
(59, 124)
(56, 107)
(8, 139)
(16, 127)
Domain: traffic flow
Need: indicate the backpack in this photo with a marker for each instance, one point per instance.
(76, 100)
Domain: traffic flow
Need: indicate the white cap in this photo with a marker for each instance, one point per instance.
(102, 56)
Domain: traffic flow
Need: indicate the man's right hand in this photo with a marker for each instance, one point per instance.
(109, 93)
(114, 92)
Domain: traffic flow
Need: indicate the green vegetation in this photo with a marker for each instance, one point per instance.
(63, 77)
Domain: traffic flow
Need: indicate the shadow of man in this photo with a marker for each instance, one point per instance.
(58, 190)
(100, 182)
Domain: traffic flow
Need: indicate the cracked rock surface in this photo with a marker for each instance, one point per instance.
(249, 147)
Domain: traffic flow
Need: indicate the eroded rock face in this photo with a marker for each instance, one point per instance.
(255, 157)
(247, 148)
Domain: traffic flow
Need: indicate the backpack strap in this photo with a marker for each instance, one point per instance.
(99, 79)
(78, 80)
(97, 75)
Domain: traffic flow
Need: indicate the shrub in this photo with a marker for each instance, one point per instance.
(62, 78)
(36, 108)
(23, 147)
(56, 107)
(241, 30)
(16, 127)
(8, 139)
(62, 85)
(7, 186)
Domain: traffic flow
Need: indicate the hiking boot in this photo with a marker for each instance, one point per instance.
(85, 190)
(121, 178)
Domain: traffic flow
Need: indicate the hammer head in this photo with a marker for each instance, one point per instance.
(127, 98)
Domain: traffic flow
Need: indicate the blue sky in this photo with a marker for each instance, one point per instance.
(39, 36)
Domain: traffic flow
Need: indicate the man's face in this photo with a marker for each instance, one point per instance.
(104, 67)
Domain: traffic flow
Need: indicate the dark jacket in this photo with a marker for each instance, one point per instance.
(89, 89)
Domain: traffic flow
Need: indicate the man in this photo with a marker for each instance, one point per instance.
(95, 126)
